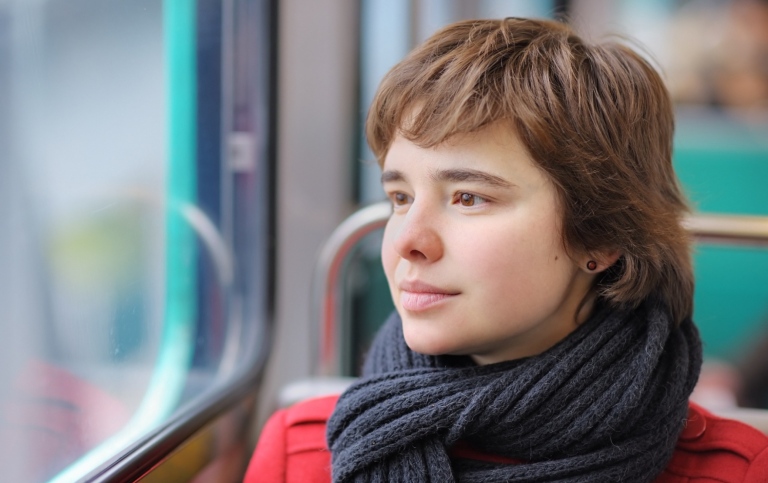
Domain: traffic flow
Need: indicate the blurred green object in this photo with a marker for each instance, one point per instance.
(723, 163)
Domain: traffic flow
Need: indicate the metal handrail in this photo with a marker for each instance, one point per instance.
(738, 229)
(326, 287)
(328, 277)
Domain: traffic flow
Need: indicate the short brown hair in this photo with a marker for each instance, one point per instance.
(596, 118)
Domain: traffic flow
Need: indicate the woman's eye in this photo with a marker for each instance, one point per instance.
(399, 199)
(468, 199)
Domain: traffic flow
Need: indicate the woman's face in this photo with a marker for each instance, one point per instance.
(473, 251)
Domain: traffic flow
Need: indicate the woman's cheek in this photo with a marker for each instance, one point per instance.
(388, 255)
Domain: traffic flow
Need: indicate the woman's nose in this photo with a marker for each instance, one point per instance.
(417, 236)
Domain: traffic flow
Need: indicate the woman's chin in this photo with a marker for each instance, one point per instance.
(429, 346)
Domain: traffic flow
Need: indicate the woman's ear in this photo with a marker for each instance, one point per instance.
(598, 262)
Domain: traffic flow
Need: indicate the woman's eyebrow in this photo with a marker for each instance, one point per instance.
(471, 175)
(391, 176)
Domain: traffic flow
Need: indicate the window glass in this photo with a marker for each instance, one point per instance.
(118, 228)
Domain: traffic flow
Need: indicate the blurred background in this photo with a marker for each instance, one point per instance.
(169, 170)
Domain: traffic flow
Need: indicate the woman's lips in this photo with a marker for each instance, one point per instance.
(416, 296)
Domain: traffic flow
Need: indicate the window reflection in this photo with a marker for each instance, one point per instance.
(101, 242)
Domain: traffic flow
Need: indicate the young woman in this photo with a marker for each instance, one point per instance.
(541, 277)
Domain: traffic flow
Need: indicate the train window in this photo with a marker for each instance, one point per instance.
(136, 206)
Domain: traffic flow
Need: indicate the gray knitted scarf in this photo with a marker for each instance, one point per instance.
(606, 403)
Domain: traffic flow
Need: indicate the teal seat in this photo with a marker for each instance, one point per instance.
(722, 163)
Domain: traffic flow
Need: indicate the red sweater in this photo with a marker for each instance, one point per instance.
(292, 448)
